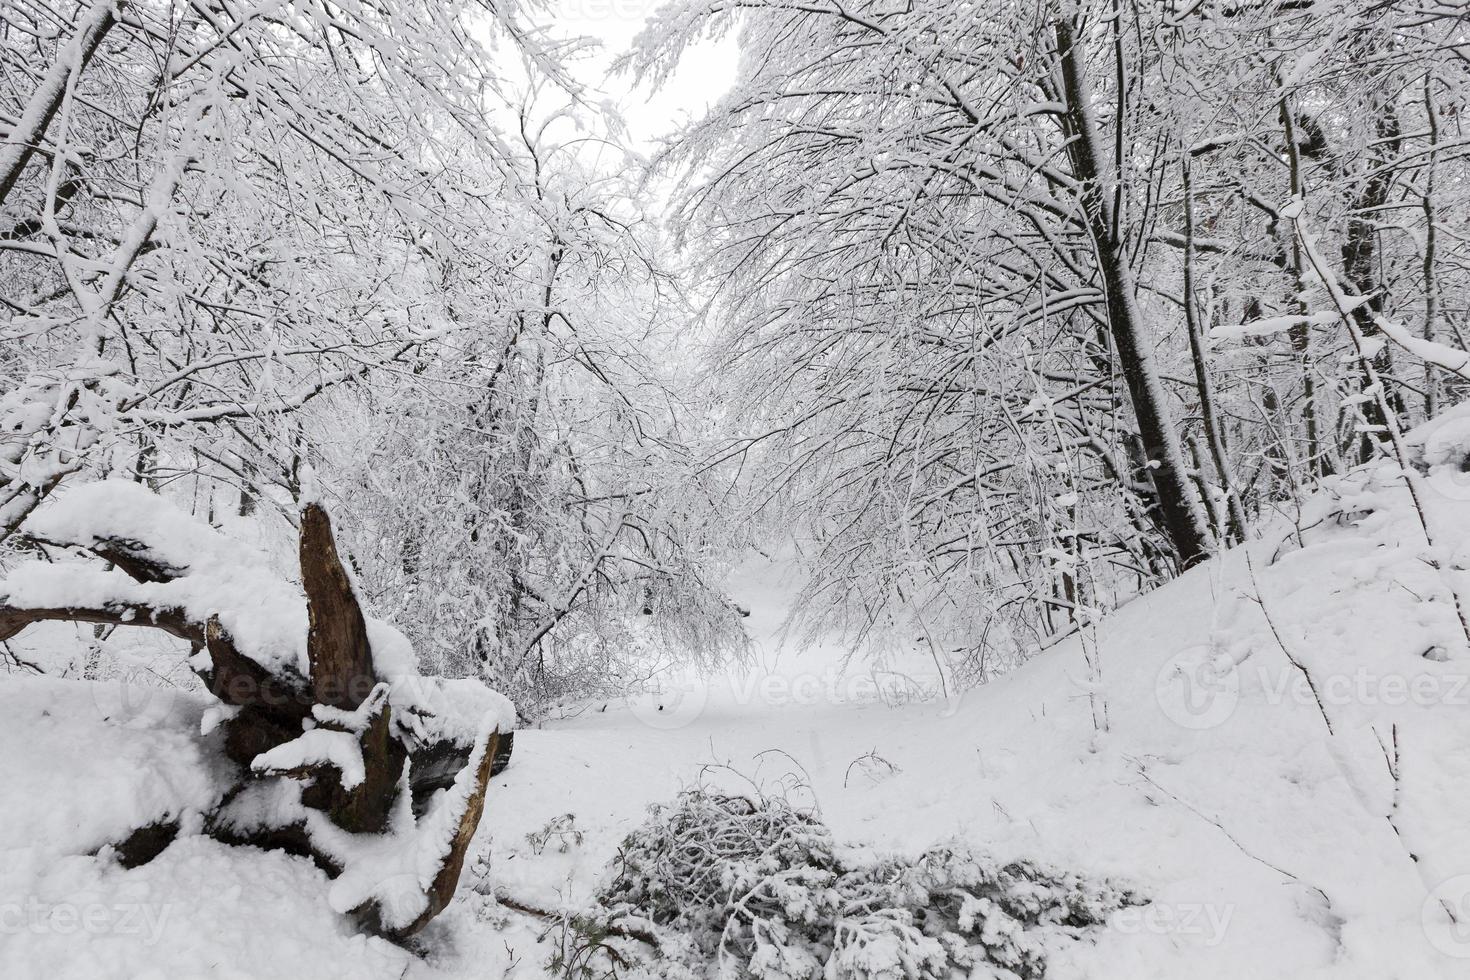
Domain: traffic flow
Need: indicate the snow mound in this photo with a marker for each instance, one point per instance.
(129, 514)
(264, 614)
(83, 763)
(200, 909)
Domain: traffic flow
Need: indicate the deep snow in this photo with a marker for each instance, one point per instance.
(1270, 846)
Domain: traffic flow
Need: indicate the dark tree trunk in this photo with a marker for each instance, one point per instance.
(1360, 255)
(1179, 509)
(1235, 526)
(1319, 462)
(342, 676)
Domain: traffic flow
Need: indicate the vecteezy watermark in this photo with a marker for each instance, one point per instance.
(1199, 688)
(831, 686)
(1207, 920)
(1450, 481)
(133, 705)
(1445, 917)
(141, 919)
(672, 705)
(678, 701)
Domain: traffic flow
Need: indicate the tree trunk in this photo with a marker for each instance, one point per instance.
(337, 644)
(1182, 520)
(1235, 526)
(342, 676)
(1359, 255)
(1431, 217)
(1319, 462)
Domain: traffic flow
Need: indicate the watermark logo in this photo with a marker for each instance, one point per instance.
(1445, 917)
(676, 703)
(1451, 480)
(1207, 921)
(130, 704)
(138, 919)
(1198, 688)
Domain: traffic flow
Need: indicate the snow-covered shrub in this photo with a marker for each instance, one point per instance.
(753, 887)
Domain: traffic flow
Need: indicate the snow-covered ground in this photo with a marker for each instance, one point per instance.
(1276, 751)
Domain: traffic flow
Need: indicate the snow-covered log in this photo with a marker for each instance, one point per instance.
(342, 745)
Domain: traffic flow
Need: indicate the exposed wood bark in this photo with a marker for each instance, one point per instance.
(236, 679)
(146, 843)
(337, 643)
(273, 708)
(441, 891)
(365, 808)
(292, 839)
(168, 619)
(342, 676)
(505, 744)
(434, 767)
(133, 558)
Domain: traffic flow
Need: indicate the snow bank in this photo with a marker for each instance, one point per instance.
(200, 909)
(121, 510)
(81, 765)
(84, 763)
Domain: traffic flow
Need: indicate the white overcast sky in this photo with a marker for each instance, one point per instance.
(706, 71)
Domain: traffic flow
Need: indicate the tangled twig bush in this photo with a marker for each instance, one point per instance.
(752, 887)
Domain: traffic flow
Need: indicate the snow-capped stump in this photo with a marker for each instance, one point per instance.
(345, 753)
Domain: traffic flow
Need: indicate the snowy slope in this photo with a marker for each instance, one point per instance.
(1199, 766)
(1262, 839)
